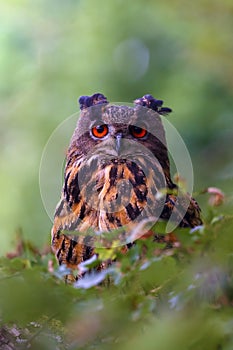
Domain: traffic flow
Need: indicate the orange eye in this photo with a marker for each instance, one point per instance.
(137, 132)
(99, 131)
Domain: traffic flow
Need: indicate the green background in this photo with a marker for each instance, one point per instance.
(54, 51)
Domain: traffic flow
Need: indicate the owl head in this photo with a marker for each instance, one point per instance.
(111, 131)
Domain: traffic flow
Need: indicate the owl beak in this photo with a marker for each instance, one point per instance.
(118, 142)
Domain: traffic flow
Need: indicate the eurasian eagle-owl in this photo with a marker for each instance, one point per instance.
(116, 166)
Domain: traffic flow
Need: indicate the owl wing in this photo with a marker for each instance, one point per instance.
(73, 214)
(185, 217)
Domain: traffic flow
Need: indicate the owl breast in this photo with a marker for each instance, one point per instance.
(107, 194)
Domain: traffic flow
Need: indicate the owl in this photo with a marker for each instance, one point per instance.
(117, 175)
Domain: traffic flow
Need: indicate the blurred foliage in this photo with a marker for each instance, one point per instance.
(51, 53)
(150, 298)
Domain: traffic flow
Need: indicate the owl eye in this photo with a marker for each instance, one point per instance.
(99, 131)
(137, 132)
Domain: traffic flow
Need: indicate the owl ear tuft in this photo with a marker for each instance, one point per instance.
(150, 102)
(88, 101)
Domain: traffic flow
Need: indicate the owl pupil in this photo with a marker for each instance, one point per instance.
(100, 128)
(137, 130)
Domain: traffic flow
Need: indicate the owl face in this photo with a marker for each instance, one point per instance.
(120, 132)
